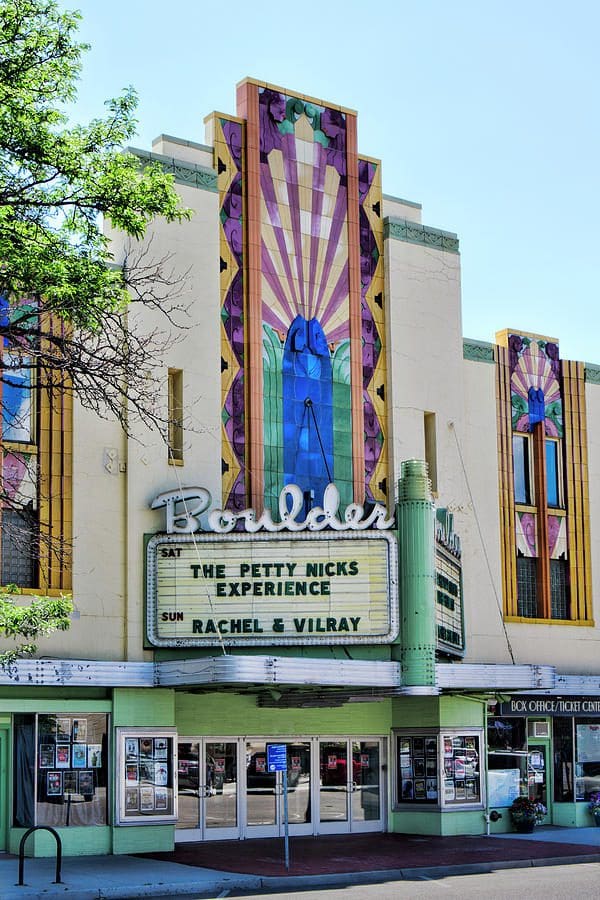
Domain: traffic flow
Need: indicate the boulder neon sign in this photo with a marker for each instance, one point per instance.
(185, 506)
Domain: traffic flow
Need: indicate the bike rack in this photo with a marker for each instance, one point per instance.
(22, 852)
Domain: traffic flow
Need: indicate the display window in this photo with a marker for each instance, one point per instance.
(440, 769)
(587, 758)
(61, 769)
(507, 760)
(146, 776)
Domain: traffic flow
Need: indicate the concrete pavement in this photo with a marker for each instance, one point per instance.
(128, 877)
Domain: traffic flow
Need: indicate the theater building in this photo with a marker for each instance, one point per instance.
(364, 537)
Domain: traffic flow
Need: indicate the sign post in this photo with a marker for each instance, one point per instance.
(277, 762)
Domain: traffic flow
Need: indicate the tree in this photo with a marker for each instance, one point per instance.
(36, 619)
(64, 300)
(64, 323)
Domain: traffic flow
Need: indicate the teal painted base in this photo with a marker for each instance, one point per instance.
(435, 822)
(144, 839)
(93, 841)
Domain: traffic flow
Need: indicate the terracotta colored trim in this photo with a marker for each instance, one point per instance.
(358, 435)
(506, 495)
(247, 98)
(544, 601)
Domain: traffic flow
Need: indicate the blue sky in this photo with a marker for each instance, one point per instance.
(484, 112)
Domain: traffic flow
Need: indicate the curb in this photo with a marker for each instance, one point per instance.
(239, 881)
(413, 874)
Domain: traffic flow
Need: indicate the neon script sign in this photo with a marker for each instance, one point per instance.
(184, 508)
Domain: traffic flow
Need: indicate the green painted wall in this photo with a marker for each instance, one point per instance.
(209, 714)
(91, 841)
(51, 693)
(143, 839)
(438, 823)
(435, 712)
(151, 707)
(54, 705)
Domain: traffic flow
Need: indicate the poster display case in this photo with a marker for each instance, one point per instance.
(146, 761)
(438, 769)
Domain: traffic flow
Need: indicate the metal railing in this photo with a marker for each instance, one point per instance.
(22, 852)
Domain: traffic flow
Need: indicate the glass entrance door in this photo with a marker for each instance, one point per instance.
(350, 786)
(264, 790)
(207, 789)
(537, 775)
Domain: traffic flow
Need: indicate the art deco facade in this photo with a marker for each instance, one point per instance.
(421, 636)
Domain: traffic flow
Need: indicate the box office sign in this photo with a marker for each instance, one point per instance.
(524, 705)
(243, 589)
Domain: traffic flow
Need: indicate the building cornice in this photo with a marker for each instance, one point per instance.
(190, 174)
(413, 233)
(478, 351)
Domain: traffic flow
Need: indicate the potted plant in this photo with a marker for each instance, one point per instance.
(594, 806)
(526, 814)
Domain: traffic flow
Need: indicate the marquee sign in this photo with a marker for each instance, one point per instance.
(448, 589)
(207, 590)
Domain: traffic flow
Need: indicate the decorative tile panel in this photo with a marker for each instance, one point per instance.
(228, 149)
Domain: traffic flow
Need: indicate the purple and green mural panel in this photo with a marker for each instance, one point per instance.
(535, 384)
(230, 142)
(371, 340)
(305, 297)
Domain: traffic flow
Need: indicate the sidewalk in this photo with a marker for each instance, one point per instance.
(212, 867)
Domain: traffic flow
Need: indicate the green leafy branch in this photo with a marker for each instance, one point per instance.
(30, 621)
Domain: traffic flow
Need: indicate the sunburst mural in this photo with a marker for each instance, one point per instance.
(305, 296)
(535, 388)
(302, 285)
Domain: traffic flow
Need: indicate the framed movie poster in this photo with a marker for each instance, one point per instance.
(70, 782)
(80, 730)
(146, 775)
(146, 798)
(132, 802)
(161, 774)
(160, 748)
(161, 798)
(94, 753)
(63, 756)
(63, 729)
(54, 784)
(46, 756)
(85, 782)
(420, 793)
(79, 756)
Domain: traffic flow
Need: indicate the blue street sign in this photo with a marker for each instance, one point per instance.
(276, 758)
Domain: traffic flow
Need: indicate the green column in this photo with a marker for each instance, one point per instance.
(416, 576)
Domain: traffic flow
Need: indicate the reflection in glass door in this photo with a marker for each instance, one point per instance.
(207, 790)
(350, 786)
(264, 790)
(366, 792)
(333, 781)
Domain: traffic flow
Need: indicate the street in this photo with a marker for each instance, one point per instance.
(534, 883)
